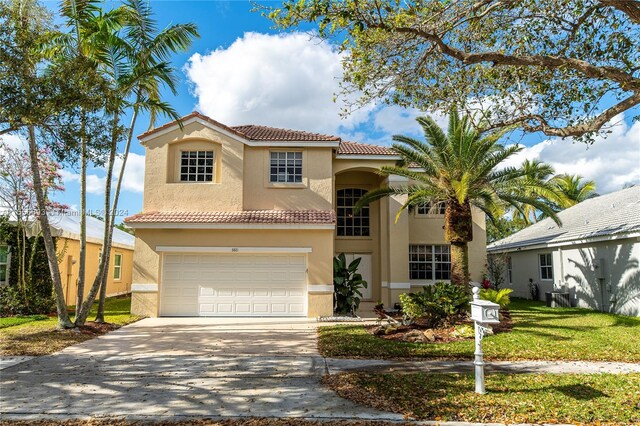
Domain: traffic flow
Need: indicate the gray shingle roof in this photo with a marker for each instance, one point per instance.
(617, 213)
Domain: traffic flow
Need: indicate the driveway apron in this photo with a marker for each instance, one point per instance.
(170, 367)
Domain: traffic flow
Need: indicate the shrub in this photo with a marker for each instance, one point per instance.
(347, 284)
(501, 297)
(436, 305)
(12, 302)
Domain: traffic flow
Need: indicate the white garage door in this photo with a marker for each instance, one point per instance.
(233, 285)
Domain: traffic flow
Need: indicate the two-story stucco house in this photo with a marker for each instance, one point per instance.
(245, 221)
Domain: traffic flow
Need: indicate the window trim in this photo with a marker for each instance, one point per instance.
(286, 152)
(434, 263)
(6, 265)
(433, 211)
(181, 152)
(364, 209)
(549, 266)
(117, 267)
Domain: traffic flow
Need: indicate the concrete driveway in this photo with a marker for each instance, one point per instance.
(171, 367)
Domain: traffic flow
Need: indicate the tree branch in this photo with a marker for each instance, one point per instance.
(589, 126)
(631, 8)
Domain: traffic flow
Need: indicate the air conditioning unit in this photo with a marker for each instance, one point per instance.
(558, 299)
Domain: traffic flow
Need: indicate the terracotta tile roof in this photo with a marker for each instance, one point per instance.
(327, 217)
(185, 118)
(266, 133)
(357, 148)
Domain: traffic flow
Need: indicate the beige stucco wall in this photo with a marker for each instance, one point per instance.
(320, 260)
(164, 192)
(314, 193)
(69, 250)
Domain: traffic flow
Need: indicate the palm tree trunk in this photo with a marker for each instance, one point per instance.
(49, 244)
(82, 260)
(83, 312)
(458, 230)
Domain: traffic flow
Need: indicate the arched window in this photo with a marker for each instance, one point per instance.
(349, 224)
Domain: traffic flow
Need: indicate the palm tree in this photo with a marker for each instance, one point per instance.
(573, 190)
(460, 168)
(139, 68)
(542, 172)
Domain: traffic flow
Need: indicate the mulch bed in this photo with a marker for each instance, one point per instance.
(197, 422)
(445, 334)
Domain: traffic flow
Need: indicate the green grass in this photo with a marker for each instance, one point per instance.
(539, 333)
(42, 338)
(12, 321)
(515, 398)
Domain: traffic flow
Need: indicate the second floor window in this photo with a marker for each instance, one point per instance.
(427, 262)
(196, 166)
(430, 209)
(350, 224)
(285, 167)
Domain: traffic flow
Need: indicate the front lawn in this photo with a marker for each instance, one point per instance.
(515, 398)
(539, 333)
(11, 321)
(41, 337)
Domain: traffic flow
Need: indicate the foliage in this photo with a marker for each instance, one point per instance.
(463, 331)
(496, 268)
(42, 338)
(459, 168)
(511, 398)
(573, 190)
(501, 297)
(539, 333)
(436, 305)
(347, 283)
(30, 293)
(18, 320)
(502, 227)
(534, 290)
(563, 67)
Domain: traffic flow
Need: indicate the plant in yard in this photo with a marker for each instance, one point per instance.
(347, 283)
(461, 169)
(534, 290)
(436, 305)
(496, 268)
(501, 297)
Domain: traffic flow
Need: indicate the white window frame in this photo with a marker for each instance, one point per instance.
(546, 266)
(431, 209)
(430, 255)
(200, 154)
(284, 161)
(117, 268)
(6, 265)
(363, 215)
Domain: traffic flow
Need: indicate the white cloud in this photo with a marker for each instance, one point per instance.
(133, 180)
(133, 176)
(13, 141)
(611, 161)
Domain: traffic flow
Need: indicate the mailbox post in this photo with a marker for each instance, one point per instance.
(482, 312)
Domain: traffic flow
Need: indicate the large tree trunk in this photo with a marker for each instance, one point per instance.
(458, 230)
(49, 244)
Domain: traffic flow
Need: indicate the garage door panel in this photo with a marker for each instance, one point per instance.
(237, 284)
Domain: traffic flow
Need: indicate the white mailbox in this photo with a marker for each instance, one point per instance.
(484, 311)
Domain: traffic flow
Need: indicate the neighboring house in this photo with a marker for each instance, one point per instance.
(245, 221)
(594, 256)
(66, 230)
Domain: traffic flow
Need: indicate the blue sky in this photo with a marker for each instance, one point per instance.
(241, 71)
